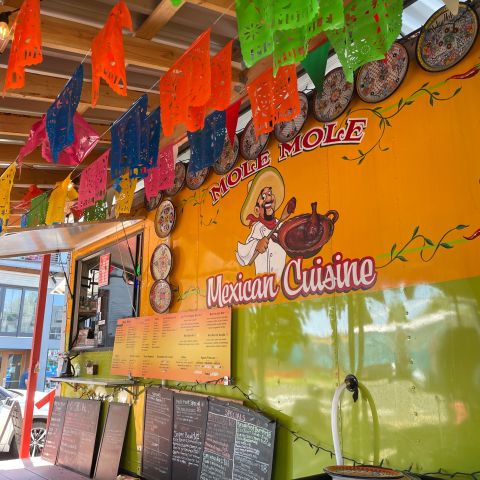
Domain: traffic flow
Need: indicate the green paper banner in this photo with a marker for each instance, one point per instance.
(38, 210)
(315, 64)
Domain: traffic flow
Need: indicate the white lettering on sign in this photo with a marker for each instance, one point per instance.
(339, 276)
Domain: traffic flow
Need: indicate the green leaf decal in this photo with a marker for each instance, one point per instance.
(428, 241)
(446, 245)
(393, 249)
(403, 259)
(461, 227)
(415, 231)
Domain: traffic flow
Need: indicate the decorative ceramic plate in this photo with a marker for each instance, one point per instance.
(336, 95)
(161, 262)
(153, 203)
(376, 81)
(251, 146)
(165, 219)
(160, 296)
(179, 182)
(362, 472)
(446, 39)
(228, 158)
(286, 131)
(197, 179)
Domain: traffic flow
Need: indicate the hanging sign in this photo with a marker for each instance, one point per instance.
(104, 270)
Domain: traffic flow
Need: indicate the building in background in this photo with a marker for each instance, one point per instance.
(19, 278)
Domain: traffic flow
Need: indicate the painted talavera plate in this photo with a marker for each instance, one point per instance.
(251, 146)
(335, 97)
(446, 39)
(287, 131)
(161, 262)
(165, 219)
(197, 179)
(362, 472)
(160, 296)
(179, 182)
(228, 158)
(377, 80)
(153, 203)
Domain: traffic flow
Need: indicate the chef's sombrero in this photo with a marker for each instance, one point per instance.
(268, 177)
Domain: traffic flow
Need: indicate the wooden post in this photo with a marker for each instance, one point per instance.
(35, 357)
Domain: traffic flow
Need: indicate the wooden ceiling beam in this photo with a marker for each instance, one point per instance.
(45, 88)
(165, 11)
(30, 176)
(20, 125)
(160, 16)
(226, 7)
(8, 154)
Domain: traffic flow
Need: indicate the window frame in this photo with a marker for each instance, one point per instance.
(73, 331)
(18, 332)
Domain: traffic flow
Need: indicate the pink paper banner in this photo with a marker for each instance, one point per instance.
(162, 176)
(93, 182)
(85, 140)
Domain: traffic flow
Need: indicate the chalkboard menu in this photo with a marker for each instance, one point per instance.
(111, 444)
(238, 445)
(79, 435)
(189, 425)
(55, 429)
(157, 434)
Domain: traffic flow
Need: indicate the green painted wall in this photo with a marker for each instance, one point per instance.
(416, 350)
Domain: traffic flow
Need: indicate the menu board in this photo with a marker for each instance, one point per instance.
(55, 429)
(239, 444)
(79, 435)
(189, 426)
(111, 444)
(157, 434)
(185, 346)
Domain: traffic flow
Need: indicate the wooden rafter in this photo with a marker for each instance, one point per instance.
(29, 176)
(165, 11)
(160, 16)
(45, 88)
(20, 125)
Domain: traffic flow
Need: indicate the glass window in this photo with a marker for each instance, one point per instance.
(56, 322)
(14, 366)
(51, 368)
(12, 302)
(99, 307)
(30, 298)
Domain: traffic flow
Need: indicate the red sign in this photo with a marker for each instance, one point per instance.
(104, 270)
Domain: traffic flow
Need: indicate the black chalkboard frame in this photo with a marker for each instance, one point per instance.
(145, 417)
(56, 401)
(126, 406)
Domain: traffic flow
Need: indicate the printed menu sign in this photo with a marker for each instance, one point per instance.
(55, 429)
(186, 346)
(79, 435)
(157, 434)
(189, 426)
(239, 444)
(111, 444)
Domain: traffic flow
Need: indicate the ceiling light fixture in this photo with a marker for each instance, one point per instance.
(5, 29)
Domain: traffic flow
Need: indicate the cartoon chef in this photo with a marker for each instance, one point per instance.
(265, 194)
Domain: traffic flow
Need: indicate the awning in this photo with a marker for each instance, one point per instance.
(58, 238)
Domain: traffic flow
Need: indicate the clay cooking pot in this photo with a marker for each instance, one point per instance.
(305, 235)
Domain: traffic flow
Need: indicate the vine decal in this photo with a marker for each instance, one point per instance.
(197, 199)
(399, 253)
(384, 120)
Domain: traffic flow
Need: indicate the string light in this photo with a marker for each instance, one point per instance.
(4, 30)
(316, 448)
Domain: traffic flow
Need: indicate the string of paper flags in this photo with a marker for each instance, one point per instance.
(195, 85)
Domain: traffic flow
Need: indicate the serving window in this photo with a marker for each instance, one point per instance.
(107, 288)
